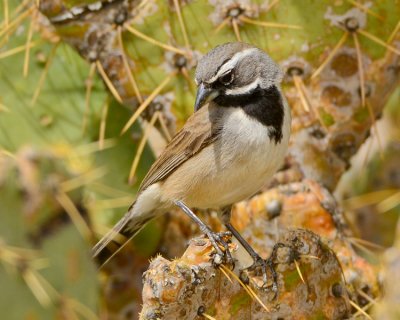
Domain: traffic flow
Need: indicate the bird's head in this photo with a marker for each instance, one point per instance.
(234, 69)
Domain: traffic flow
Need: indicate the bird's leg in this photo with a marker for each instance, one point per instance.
(258, 262)
(216, 239)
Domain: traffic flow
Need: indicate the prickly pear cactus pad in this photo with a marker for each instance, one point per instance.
(191, 286)
(91, 92)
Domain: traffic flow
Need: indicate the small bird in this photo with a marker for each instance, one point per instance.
(227, 150)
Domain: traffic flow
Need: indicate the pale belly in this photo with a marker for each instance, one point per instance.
(237, 181)
(235, 168)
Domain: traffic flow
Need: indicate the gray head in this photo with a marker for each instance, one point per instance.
(234, 69)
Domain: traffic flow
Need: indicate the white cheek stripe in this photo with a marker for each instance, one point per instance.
(230, 64)
(245, 89)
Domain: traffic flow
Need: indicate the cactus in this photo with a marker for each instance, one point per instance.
(64, 159)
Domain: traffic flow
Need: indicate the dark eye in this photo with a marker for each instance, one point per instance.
(226, 78)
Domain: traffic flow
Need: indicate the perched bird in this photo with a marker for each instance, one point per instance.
(227, 150)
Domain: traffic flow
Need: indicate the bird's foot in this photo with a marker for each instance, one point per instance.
(220, 241)
(260, 267)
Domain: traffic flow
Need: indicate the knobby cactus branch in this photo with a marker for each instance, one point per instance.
(310, 282)
(325, 139)
(318, 272)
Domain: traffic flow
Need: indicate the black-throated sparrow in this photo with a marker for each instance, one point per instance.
(227, 150)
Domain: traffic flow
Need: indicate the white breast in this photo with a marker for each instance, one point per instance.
(236, 166)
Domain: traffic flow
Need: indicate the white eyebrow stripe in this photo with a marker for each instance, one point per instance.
(245, 89)
(230, 64)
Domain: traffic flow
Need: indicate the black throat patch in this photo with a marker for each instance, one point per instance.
(264, 105)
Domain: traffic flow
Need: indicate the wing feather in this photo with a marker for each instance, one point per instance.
(201, 129)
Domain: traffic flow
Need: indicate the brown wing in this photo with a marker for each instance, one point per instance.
(200, 130)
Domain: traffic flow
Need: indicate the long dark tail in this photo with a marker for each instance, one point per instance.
(116, 238)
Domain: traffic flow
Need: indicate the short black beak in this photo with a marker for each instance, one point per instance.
(203, 96)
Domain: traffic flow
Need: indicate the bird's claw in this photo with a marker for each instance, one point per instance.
(262, 265)
(259, 263)
(218, 240)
